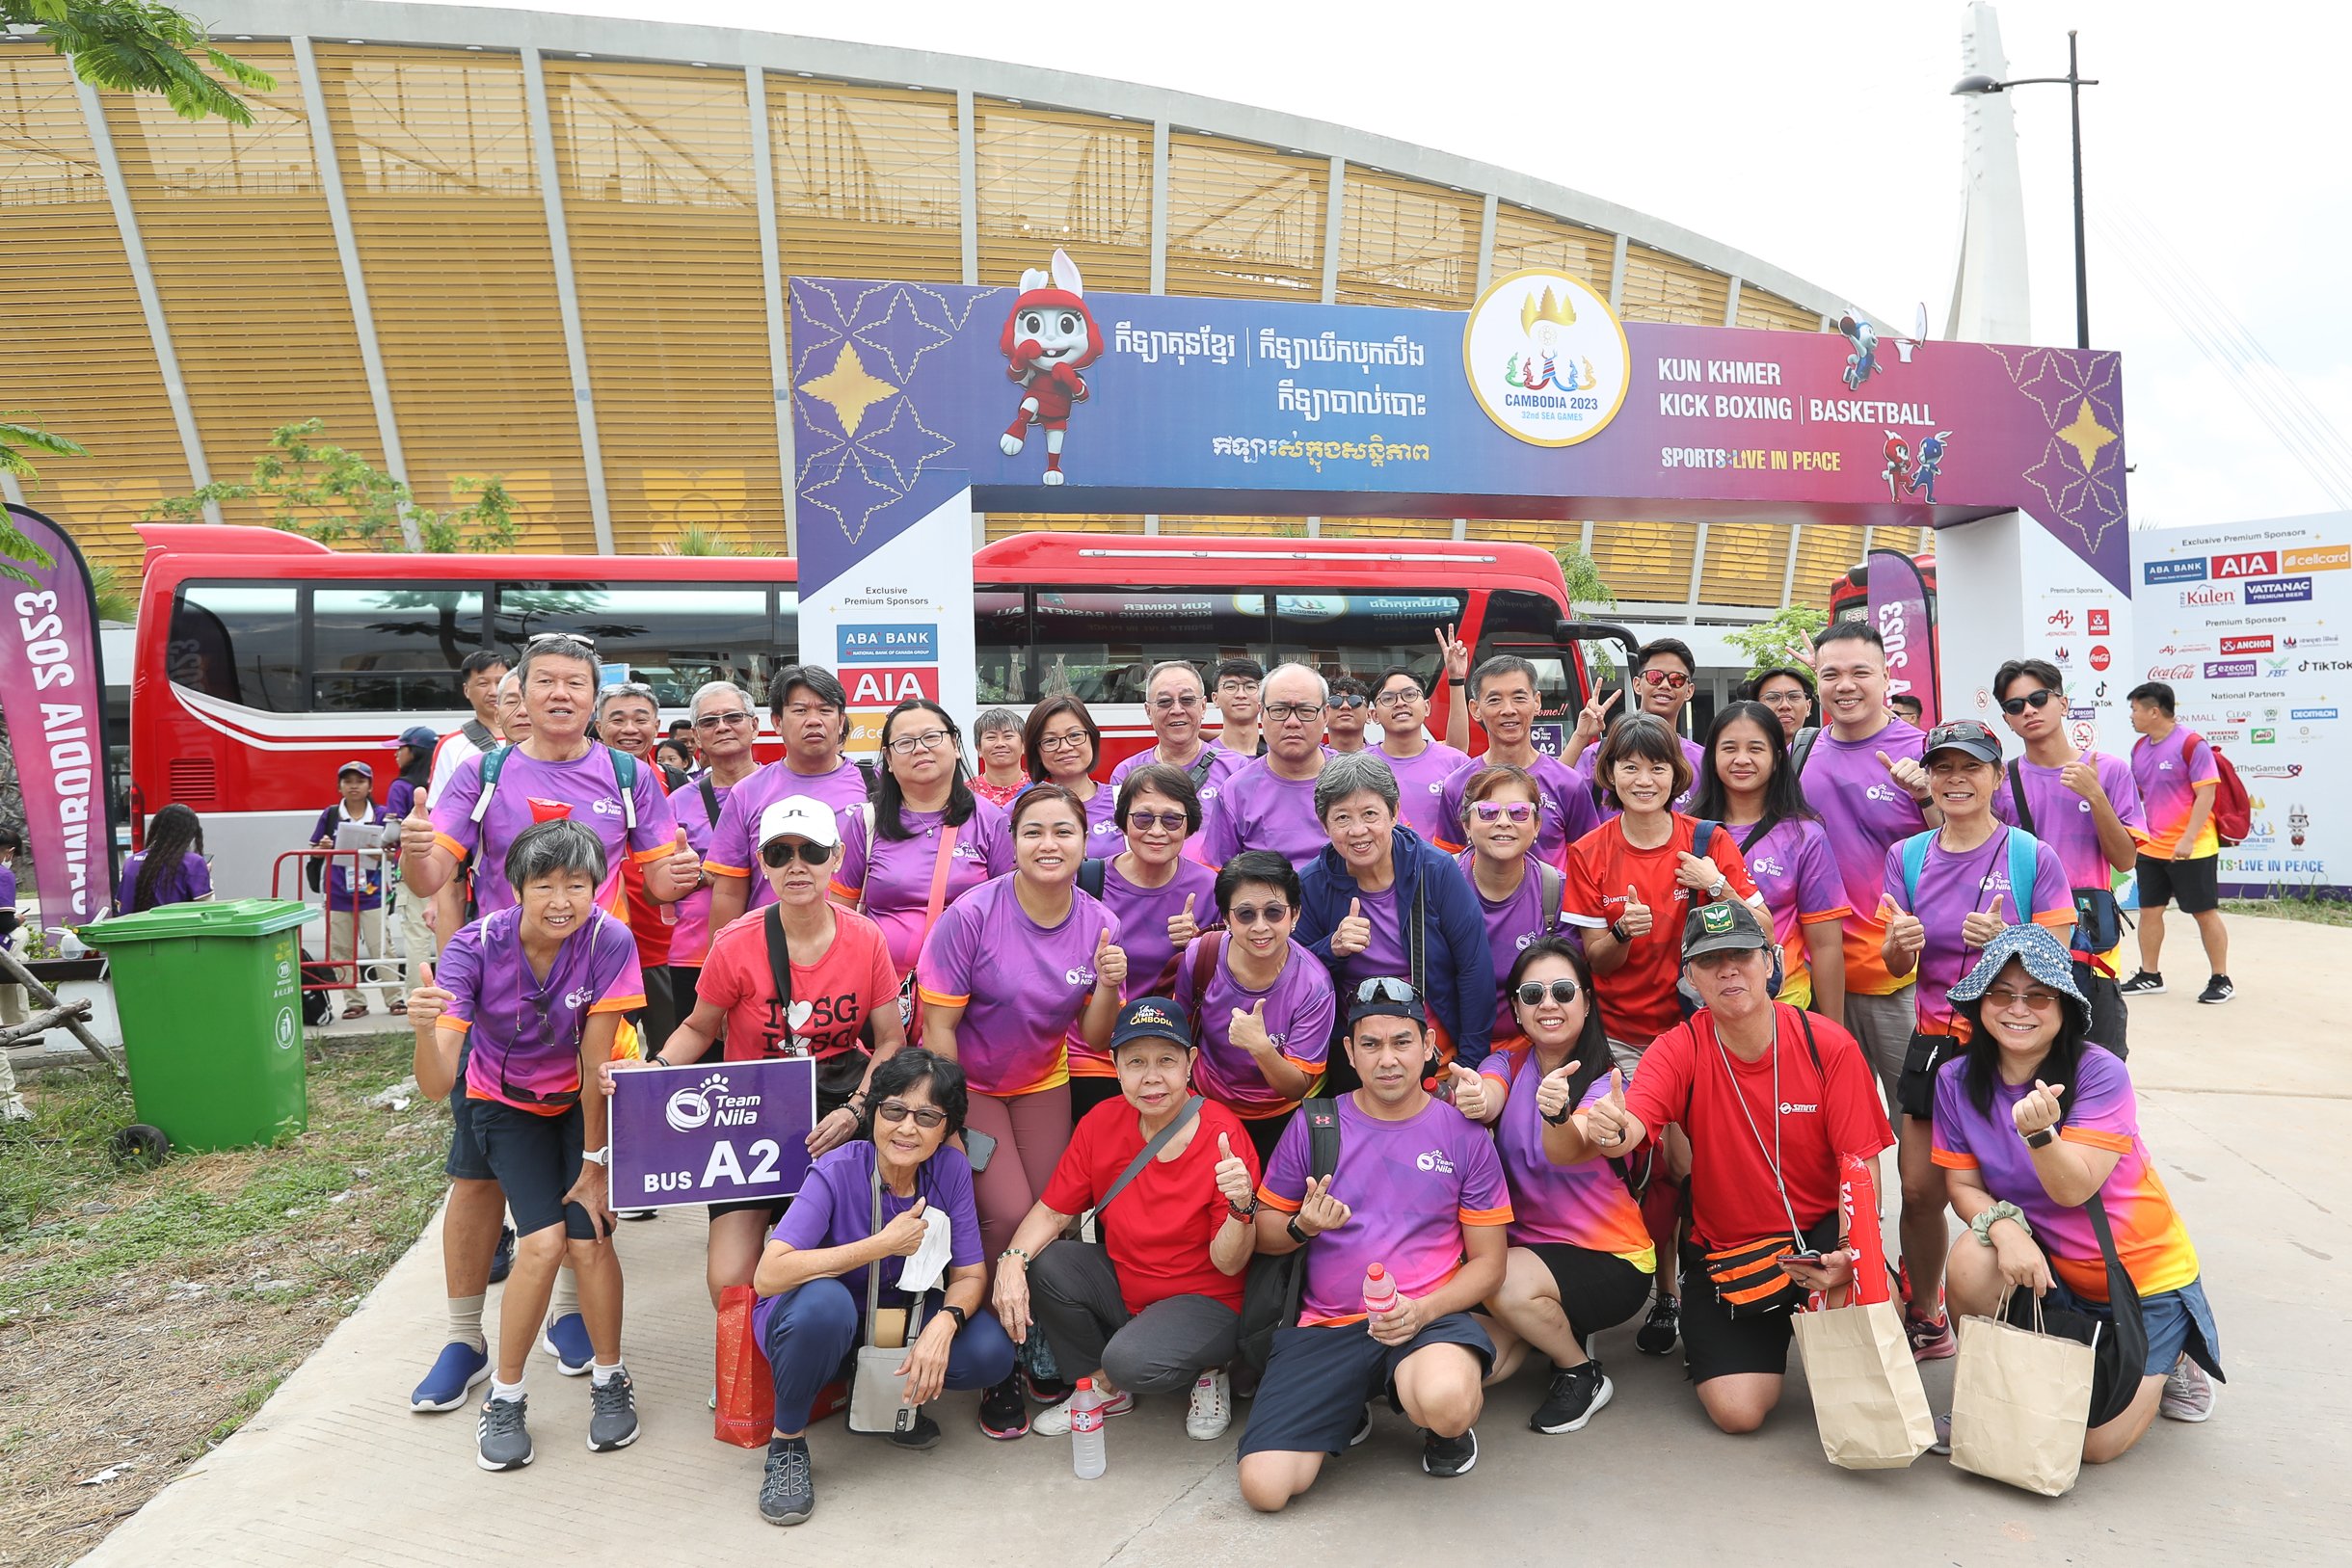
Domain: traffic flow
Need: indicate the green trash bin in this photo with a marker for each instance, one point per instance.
(210, 999)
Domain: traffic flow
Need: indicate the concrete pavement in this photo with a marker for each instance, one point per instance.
(2248, 1108)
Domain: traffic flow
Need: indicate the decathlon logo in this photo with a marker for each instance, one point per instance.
(1435, 1162)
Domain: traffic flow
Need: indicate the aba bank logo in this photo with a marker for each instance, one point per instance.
(2195, 598)
(2251, 564)
(2229, 670)
(2158, 572)
(2313, 714)
(710, 1103)
(1546, 357)
(1433, 1160)
(901, 642)
(2247, 644)
(2280, 591)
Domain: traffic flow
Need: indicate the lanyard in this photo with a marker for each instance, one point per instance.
(1772, 1155)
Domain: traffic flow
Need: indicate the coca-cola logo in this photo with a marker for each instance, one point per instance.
(2170, 672)
(2100, 658)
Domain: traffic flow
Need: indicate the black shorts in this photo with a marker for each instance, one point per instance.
(536, 1159)
(1317, 1381)
(1715, 1344)
(2190, 884)
(464, 1162)
(1915, 1089)
(1597, 1289)
(828, 1100)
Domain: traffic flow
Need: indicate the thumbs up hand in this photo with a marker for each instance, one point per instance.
(1248, 1030)
(1353, 933)
(1607, 1121)
(1552, 1093)
(1109, 964)
(1182, 927)
(903, 1236)
(1904, 932)
(1907, 772)
(1984, 925)
(1466, 1087)
(428, 1002)
(1233, 1174)
(676, 874)
(415, 834)
(1637, 921)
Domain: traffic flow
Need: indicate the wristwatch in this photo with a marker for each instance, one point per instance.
(950, 1310)
(1717, 888)
(1454, 681)
(1296, 1235)
(1617, 929)
(597, 1156)
(2041, 1139)
(1561, 1120)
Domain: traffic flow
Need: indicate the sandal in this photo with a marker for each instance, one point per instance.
(355, 1009)
(400, 1009)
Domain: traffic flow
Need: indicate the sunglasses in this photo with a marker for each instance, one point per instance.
(1248, 914)
(719, 721)
(1491, 810)
(2014, 706)
(1531, 993)
(1346, 700)
(898, 1110)
(780, 854)
(2000, 1001)
(1666, 680)
(539, 639)
(1384, 988)
(1164, 821)
(1169, 702)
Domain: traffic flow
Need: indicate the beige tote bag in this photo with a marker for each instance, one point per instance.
(2020, 1403)
(1867, 1397)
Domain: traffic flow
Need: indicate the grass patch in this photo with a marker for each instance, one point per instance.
(2314, 910)
(149, 1313)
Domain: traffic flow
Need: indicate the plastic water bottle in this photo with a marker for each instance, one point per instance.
(1087, 1458)
(1380, 1291)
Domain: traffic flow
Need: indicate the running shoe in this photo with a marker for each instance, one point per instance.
(2146, 983)
(612, 1414)
(502, 1261)
(566, 1339)
(636, 1213)
(501, 1440)
(2217, 990)
(1055, 1421)
(1210, 1410)
(787, 1493)
(1363, 1427)
(1445, 1457)
(1004, 1412)
(1930, 1337)
(2188, 1393)
(455, 1372)
(1942, 1443)
(1577, 1394)
(923, 1434)
(1661, 1328)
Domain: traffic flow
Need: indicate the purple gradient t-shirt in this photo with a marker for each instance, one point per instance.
(1863, 811)
(183, 883)
(1954, 886)
(891, 880)
(586, 790)
(1260, 808)
(2063, 819)
(1421, 788)
(734, 848)
(1300, 1008)
(1144, 914)
(1223, 764)
(1514, 922)
(1793, 869)
(2170, 774)
(690, 937)
(835, 1207)
(1585, 1205)
(526, 1031)
(1022, 985)
(1410, 1186)
(1569, 812)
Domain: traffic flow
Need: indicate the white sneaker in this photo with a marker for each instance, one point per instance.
(1210, 1411)
(2188, 1393)
(1054, 1419)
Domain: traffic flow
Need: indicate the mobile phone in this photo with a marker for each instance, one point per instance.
(1810, 1256)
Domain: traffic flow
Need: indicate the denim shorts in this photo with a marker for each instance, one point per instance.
(2177, 1321)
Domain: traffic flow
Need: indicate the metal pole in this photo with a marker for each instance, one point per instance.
(2082, 277)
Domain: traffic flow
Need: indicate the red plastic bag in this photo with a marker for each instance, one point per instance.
(746, 1412)
(1857, 1193)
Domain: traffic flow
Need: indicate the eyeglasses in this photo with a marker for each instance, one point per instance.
(1492, 811)
(2043, 696)
(1386, 987)
(1164, 821)
(1235, 683)
(1346, 700)
(930, 740)
(898, 1110)
(1786, 699)
(717, 721)
(1531, 993)
(1284, 713)
(1250, 914)
(1169, 702)
(779, 855)
(2000, 1001)
(1070, 742)
(1665, 679)
(1399, 697)
(539, 639)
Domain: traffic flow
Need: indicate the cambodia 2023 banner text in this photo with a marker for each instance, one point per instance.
(53, 698)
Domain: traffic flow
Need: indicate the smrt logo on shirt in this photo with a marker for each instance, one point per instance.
(1433, 1160)
(1791, 1108)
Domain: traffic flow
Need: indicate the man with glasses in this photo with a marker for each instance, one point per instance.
(1239, 685)
(1270, 803)
(1421, 765)
(723, 728)
(1176, 707)
(480, 677)
(1663, 684)
(1502, 698)
(1419, 1191)
(1788, 691)
(1349, 711)
(811, 714)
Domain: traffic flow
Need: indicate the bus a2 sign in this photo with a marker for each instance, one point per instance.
(711, 1133)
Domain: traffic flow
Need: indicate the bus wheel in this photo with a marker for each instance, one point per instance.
(142, 1145)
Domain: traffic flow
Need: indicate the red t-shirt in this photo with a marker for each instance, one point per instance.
(1637, 1000)
(654, 933)
(1157, 1233)
(832, 998)
(1681, 1079)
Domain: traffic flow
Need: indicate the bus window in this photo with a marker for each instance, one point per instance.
(999, 626)
(674, 639)
(1360, 634)
(387, 648)
(1099, 645)
(1522, 624)
(239, 642)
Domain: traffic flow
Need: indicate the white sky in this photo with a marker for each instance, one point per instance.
(1819, 135)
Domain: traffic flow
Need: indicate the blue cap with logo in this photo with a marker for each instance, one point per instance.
(1151, 1018)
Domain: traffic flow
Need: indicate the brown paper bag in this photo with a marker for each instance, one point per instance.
(2020, 1403)
(1867, 1397)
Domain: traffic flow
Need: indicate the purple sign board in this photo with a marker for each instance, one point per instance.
(1898, 609)
(53, 700)
(711, 1133)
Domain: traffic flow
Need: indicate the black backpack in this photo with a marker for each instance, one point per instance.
(1269, 1300)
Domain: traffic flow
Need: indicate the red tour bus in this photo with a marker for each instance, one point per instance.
(265, 659)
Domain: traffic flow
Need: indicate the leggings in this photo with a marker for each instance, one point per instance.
(813, 1327)
(1031, 1130)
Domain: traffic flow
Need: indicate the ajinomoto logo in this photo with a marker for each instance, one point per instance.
(1546, 357)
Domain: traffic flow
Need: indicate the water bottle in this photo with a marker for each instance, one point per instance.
(1086, 1460)
(1380, 1291)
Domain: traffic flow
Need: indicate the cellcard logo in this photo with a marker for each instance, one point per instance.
(2229, 670)
(2158, 572)
(2280, 591)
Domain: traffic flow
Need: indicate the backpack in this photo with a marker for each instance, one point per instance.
(1269, 1300)
(2233, 812)
(494, 763)
(1805, 737)
(1090, 877)
(2025, 859)
(1550, 884)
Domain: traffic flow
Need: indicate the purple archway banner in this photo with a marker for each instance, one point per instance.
(53, 699)
(1899, 608)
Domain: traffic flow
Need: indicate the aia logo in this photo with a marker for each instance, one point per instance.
(2259, 564)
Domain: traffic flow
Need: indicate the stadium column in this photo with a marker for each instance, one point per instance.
(1485, 245)
(1731, 303)
(567, 293)
(771, 280)
(968, 185)
(1335, 233)
(1159, 206)
(1616, 273)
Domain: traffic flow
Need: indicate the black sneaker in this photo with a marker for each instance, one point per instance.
(923, 1434)
(2146, 983)
(787, 1493)
(502, 1261)
(2217, 990)
(1046, 1391)
(612, 1414)
(1363, 1427)
(1004, 1412)
(501, 1440)
(1445, 1457)
(1660, 1330)
(1578, 1394)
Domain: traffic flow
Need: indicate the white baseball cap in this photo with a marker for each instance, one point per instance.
(799, 816)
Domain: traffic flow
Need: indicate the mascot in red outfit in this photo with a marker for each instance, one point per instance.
(1048, 337)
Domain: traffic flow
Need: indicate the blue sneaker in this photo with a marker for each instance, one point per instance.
(566, 1339)
(458, 1370)
(502, 1261)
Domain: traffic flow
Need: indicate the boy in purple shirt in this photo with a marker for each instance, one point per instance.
(1421, 765)
(1270, 803)
(811, 710)
(1502, 695)
(2180, 858)
(1419, 1193)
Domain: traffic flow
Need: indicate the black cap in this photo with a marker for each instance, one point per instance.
(1151, 1018)
(1972, 737)
(1728, 927)
(1385, 995)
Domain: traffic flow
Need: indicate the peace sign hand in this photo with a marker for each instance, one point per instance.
(1594, 717)
(1453, 653)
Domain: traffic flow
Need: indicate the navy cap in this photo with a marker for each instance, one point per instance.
(423, 736)
(1971, 737)
(1151, 1018)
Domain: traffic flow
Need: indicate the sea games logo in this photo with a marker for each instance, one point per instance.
(2163, 572)
(1548, 359)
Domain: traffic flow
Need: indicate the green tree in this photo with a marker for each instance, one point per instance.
(116, 601)
(1780, 640)
(16, 439)
(695, 539)
(143, 47)
(335, 496)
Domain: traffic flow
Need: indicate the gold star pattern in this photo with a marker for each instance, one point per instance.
(2086, 435)
(849, 387)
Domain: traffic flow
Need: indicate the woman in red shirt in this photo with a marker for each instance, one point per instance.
(1157, 1304)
